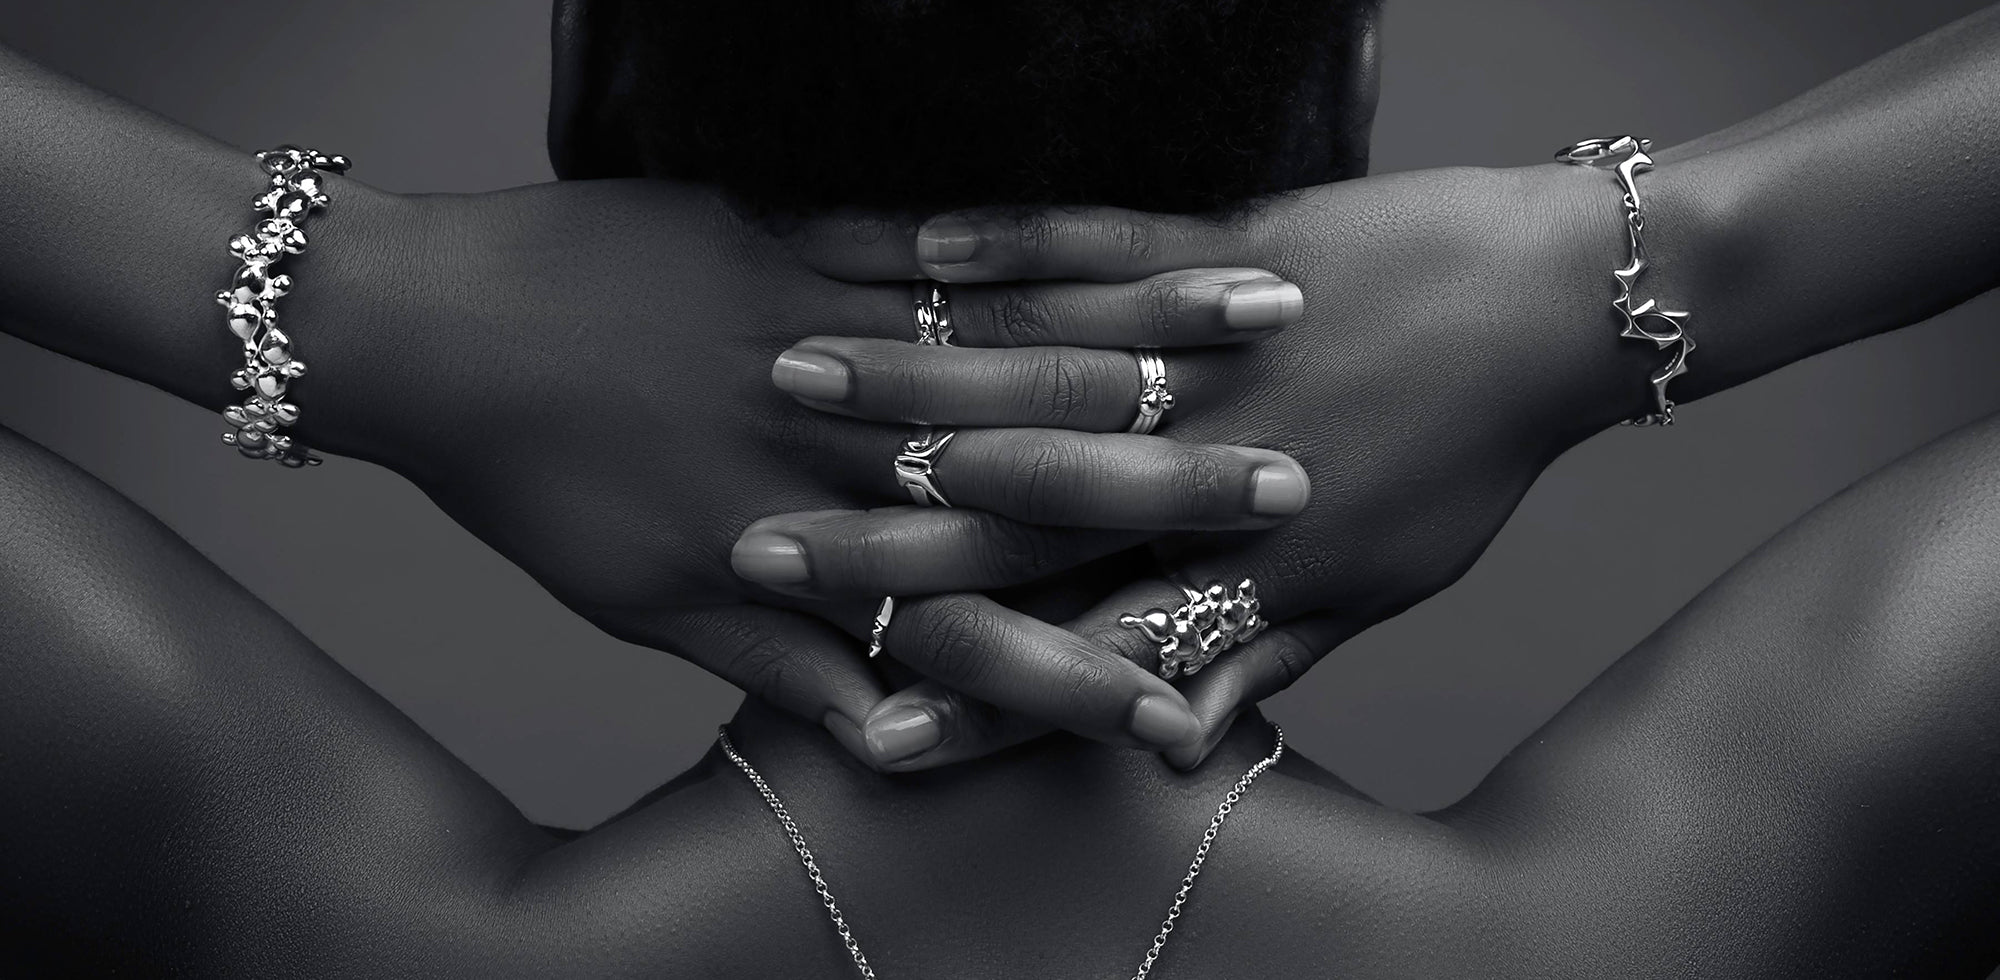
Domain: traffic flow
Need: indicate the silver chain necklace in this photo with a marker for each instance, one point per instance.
(791, 826)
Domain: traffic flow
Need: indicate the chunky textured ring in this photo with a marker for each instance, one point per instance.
(880, 626)
(933, 315)
(1626, 157)
(269, 366)
(1211, 621)
(1154, 398)
(918, 461)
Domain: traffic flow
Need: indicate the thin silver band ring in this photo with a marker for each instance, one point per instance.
(1154, 397)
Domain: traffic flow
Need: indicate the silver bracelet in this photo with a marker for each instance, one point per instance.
(269, 367)
(1626, 157)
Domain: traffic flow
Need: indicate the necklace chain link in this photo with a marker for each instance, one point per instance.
(826, 899)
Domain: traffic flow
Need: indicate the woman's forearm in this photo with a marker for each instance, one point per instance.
(116, 224)
(1866, 205)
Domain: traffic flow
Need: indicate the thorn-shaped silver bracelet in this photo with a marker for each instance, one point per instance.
(269, 366)
(1625, 157)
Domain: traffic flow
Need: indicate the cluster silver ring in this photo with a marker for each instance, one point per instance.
(917, 463)
(1154, 396)
(1211, 621)
(933, 315)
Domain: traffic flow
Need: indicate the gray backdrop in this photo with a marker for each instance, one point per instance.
(450, 95)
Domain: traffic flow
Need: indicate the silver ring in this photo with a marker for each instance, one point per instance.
(933, 315)
(881, 625)
(1209, 623)
(918, 462)
(1154, 398)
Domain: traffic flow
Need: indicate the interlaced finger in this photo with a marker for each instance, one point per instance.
(1054, 387)
(910, 550)
(1077, 479)
(1183, 308)
(798, 662)
(1098, 244)
(1242, 677)
(1017, 663)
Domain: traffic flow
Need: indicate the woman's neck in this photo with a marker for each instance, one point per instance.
(985, 868)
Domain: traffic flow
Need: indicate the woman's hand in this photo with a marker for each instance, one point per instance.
(576, 372)
(580, 374)
(1457, 337)
(1459, 331)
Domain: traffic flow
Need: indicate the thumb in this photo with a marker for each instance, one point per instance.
(857, 246)
(794, 661)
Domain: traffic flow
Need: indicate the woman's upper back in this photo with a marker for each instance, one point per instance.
(1057, 859)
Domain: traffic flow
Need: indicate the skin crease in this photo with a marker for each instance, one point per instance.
(1794, 777)
(556, 432)
(1655, 829)
(1804, 228)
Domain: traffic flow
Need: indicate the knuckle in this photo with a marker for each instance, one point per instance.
(1200, 479)
(850, 557)
(1292, 657)
(1122, 641)
(1019, 321)
(758, 660)
(1042, 472)
(1014, 551)
(1080, 687)
(1060, 387)
(1137, 240)
(1035, 235)
(763, 668)
(914, 387)
(1164, 304)
(950, 636)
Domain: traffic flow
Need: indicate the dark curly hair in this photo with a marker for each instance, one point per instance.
(1166, 105)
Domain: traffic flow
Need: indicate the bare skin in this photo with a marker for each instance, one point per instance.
(1795, 777)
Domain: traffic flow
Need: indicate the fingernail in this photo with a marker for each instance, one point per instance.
(1158, 720)
(848, 734)
(902, 732)
(1279, 490)
(769, 558)
(1262, 304)
(943, 241)
(810, 375)
(1184, 757)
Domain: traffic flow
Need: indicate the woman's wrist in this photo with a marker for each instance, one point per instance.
(356, 313)
(1582, 209)
(1596, 379)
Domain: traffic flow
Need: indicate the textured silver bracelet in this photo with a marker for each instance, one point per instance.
(269, 366)
(1625, 157)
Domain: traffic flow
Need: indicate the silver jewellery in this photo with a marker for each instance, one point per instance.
(1154, 398)
(798, 839)
(269, 366)
(880, 626)
(914, 464)
(918, 461)
(1626, 157)
(933, 315)
(1209, 623)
